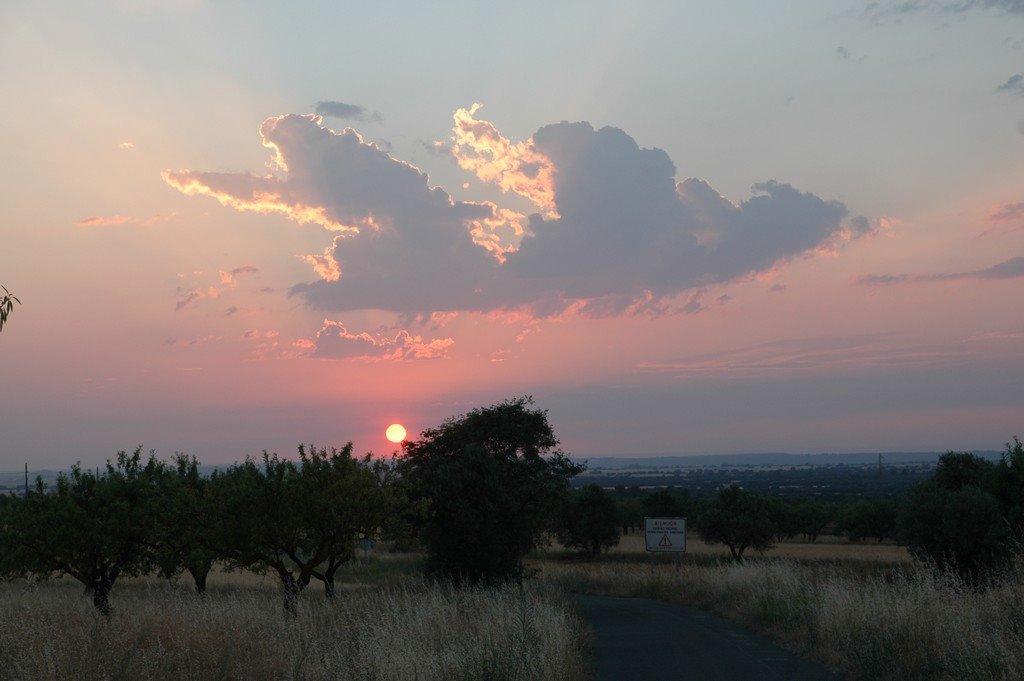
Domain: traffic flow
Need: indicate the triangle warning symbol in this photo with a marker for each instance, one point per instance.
(665, 541)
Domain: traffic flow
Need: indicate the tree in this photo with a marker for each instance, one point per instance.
(956, 470)
(341, 499)
(961, 529)
(785, 517)
(962, 518)
(812, 518)
(864, 518)
(91, 527)
(492, 479)
(6, 306)
(665, 504)
(590, 521)
(299, 522)
(738, 519)
(1008, 487)
(186, 523)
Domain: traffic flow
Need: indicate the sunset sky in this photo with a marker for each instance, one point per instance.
(682, 227)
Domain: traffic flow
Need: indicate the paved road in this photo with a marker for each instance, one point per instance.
(636, 638)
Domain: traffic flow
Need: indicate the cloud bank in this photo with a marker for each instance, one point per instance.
(613, 231)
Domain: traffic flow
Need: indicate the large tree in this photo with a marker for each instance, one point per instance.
(493, 481)
(92, 527)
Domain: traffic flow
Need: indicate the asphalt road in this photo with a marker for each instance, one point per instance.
(636, 638)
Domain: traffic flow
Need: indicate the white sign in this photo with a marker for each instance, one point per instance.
(665, 534)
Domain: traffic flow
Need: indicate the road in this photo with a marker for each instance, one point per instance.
(645, 640)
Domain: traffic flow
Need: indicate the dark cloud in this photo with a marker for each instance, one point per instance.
(1008, 269)
(619, 235)
(1014, 84)
(347, 112)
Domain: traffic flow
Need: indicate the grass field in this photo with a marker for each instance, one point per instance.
(163, 631)
(862, 609)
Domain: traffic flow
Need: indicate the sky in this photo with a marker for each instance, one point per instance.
(682, 227)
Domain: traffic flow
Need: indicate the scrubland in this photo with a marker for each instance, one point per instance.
(413, 631)
(865, 617)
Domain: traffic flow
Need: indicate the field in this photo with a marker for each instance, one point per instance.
(164, 631)
(864, 609)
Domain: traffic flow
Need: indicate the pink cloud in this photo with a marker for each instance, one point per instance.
(334, 341)
(112, 220)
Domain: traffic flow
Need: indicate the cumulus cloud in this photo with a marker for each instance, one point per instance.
(334, 341)
(346, 112)
(614, 232)
(1008, 269)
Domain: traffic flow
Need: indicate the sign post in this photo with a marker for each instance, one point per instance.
(666, 535)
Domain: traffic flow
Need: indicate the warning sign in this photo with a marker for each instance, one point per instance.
(665, 534)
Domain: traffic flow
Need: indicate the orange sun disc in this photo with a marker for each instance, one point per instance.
(395, 433)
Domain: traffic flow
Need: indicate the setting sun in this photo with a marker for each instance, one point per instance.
(395, 432)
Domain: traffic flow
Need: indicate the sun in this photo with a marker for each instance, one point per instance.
(395, 433)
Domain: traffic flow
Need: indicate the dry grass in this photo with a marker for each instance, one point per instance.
(827, 548)
(164, 631)
(904, 622)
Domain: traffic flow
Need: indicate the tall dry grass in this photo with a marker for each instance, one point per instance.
(163, 631)
(907, 622)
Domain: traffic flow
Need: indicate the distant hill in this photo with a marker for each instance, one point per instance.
(764, 459)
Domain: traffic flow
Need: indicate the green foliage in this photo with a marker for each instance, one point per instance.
(6, 306)
(298, 521)
(957, 470)
(961, 529)
(1008, 487)
(590, 521)
(812, 517)
(184, 533)
(738, 519)
(968, 517)
(630, 514)
(863, 519)
(492, 480)
(666, 504)
(92, 527)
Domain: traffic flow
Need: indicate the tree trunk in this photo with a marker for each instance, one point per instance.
(291, 595)
(199, 573)
(101, 596)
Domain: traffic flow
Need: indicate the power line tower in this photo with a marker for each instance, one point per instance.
(879, 467)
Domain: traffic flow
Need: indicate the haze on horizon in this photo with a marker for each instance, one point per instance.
(681, 227)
